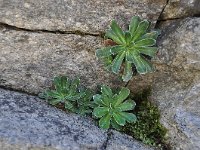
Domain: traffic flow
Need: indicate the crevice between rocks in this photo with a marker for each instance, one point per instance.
(105, 144)
(76, 32)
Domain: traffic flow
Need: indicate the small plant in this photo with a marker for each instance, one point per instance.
(132, 47)
(68, 92)
(111, 108)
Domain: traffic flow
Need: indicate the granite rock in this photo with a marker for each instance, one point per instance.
(29, 60)
(91, 16)
(120, 141)
(26, 122)
(180, 9)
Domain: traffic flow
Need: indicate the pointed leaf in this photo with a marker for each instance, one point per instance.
(130, 117)
(134, 24)
(106, 90)
(119, 119)
(104, 52)
(123, 94)
(117, 62)
(110, 34)
(118, 31)
(100, 111)
(104, 122)
(152, 34)
(127, 72)
(128, 37)
(142, 65)
(141, 29)
(145, 42)
(150, 51)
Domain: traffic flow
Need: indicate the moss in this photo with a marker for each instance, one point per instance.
(147, 128)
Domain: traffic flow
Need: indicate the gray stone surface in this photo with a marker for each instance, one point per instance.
(91, 16)
(180, 9)
(180, 44)
(120, 141)
(175, 84)
(29, 61)
(26, 122)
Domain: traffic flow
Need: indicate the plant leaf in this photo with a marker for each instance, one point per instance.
(134, 24)
(117, 49)
(117, 62)
(110, 34)
(123, 94)
(118, 31)
(106, 90)
(150, 51)
(104, 122)
(127, 72)
(145, 42)
(100, 111)
(126, 106)
(152, 34)
(130, 117)
(128, 37)
(104, 52)
(141, 30)
(119, 119)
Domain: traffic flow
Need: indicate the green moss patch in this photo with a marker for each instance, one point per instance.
(147, 128)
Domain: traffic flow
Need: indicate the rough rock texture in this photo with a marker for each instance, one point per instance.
(28, 61)
(175, 83)
(180, 9)
(91, 16)
(26, 121)
(120, 141)
(179, 46)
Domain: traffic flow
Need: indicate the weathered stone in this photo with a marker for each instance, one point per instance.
(91, 16)
(180, 9)
(175, 83)
(120, 141)
(179, 46)
(26, 122)
(28, 61)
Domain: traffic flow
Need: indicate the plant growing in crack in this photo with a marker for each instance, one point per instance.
(132, 47)
(111, 108)
(68, 92)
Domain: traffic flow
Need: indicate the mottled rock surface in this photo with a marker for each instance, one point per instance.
(180, 9)
(28, 122)
(91, 16)
(175, 84)
(120, 141)
(28, 61)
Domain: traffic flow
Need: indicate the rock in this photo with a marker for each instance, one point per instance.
(179, 46)
(119, 141)
(26, 122)
(29, 61)
(175, 84)
(180, 8)
(91, 16)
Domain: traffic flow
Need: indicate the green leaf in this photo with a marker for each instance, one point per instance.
(127, 72)
(110, 34)
(142, 65)
(69, 106)
(128, 37)
(106, 90)
(126, 106)
(98, 100)
(104, 122)
(117, 49)
(74, 85)
(115, 124)
(100, 111)
(119, 119)
(117, 62)
(134, 24)
(104, 52)
(145, 42)
(153, 35)
(141, 30)
(118, 31)
(123, 94)
(130, 117)
(54, 101)
(150, 51)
